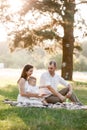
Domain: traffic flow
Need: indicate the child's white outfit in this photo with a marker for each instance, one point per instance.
(32, 89)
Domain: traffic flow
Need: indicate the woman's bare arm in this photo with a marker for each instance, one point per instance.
(23, 93)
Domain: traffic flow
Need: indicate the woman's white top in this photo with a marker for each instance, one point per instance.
(32, 89)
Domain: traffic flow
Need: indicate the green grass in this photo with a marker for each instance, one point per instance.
(20, 118)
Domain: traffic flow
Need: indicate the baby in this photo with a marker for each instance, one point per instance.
(35, 89)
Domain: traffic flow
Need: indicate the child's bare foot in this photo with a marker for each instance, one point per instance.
(45, 103)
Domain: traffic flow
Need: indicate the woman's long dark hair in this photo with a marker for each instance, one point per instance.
(25, 69)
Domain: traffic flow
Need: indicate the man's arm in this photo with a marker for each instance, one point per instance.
(56, 93)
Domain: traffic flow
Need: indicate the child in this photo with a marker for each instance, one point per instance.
(34, 89)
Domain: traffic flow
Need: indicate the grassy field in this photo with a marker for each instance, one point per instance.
(17, 118)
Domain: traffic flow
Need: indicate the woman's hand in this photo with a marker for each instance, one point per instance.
(41, 95)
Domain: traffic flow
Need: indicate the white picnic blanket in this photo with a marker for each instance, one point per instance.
(65, 105)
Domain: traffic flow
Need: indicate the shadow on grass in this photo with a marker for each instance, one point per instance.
(9, 92)
(45, 119)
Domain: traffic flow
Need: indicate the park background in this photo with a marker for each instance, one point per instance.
(29, 36)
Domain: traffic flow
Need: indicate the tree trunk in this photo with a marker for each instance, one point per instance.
(68, 41)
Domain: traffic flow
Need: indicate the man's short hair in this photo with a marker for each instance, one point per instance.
(52, 62)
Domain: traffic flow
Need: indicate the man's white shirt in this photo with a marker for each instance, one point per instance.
(46, 79)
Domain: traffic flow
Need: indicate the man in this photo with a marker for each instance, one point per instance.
(50, 81)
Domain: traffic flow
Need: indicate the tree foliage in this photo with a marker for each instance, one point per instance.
(46, 18)
(46, 23)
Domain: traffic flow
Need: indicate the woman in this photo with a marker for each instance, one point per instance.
(23, 84)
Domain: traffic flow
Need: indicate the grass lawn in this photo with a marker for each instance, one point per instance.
(17, 118)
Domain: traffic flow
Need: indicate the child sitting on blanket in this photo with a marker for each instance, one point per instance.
(34, 89)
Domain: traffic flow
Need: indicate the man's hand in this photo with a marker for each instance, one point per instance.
(69, 94)
(62, 98)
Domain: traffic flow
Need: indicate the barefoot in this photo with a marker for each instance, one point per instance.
(45, 103)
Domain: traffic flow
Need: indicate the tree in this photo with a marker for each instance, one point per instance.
(68, 40)
(28, 33)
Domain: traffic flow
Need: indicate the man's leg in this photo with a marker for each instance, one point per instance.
(64, 91)
(52, 99)
(73, 97)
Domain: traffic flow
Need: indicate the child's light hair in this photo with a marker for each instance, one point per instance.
(31, 77)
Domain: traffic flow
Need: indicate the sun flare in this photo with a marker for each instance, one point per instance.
(15, 5)
(3, 35)
(34, 20)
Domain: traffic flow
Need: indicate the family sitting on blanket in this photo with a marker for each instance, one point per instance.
(48, 93)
